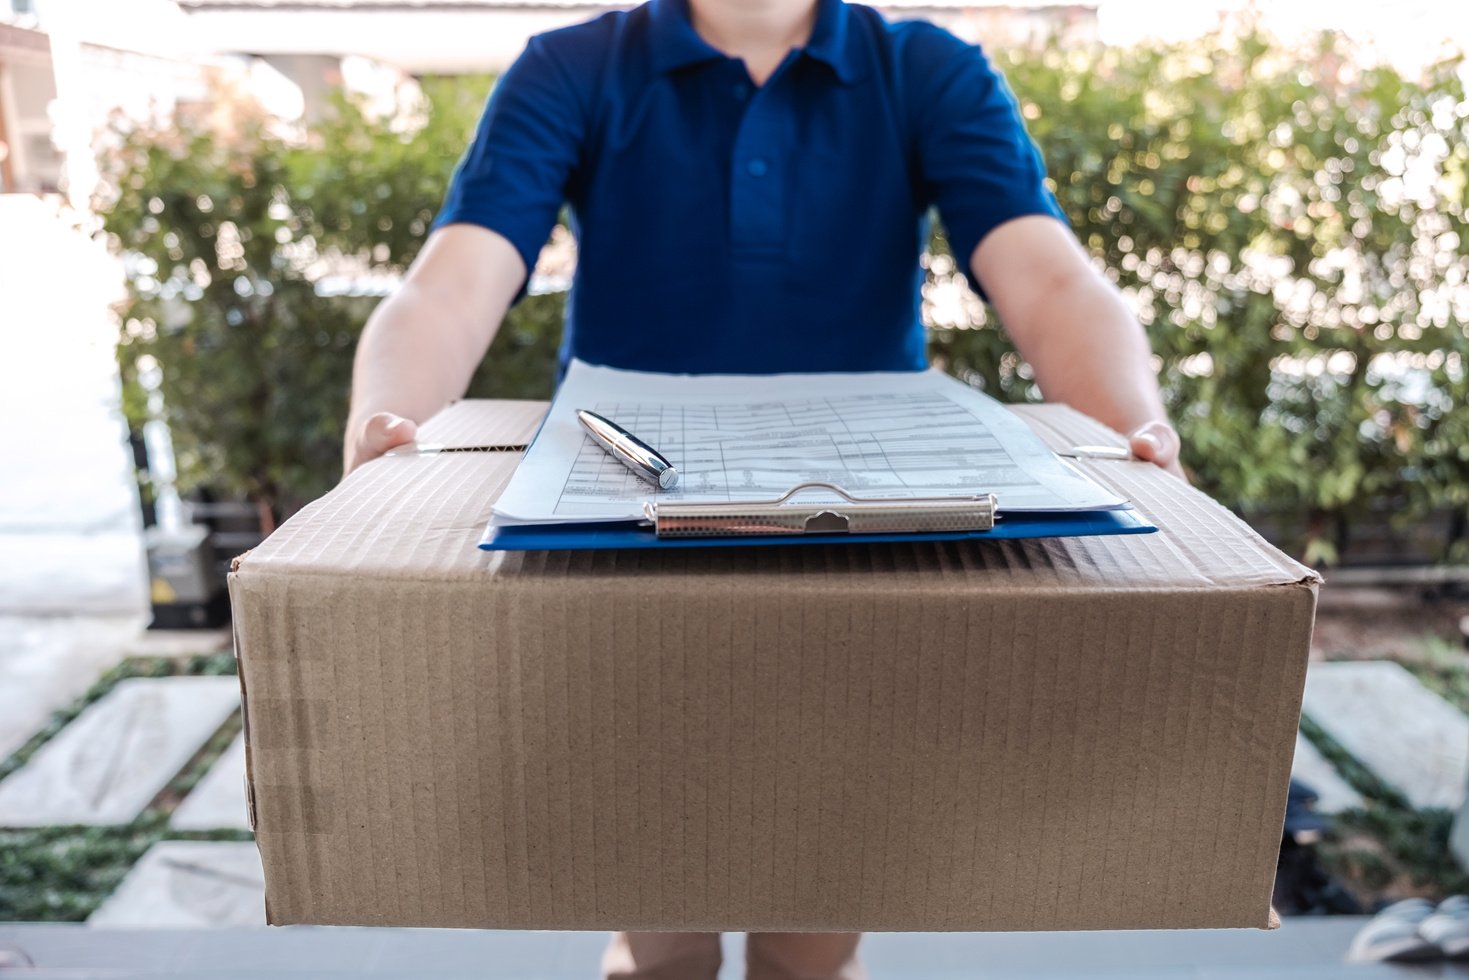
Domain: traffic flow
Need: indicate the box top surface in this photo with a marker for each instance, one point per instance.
(420, 518)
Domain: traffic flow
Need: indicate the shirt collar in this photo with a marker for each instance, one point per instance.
(832, 42)
(675, 43)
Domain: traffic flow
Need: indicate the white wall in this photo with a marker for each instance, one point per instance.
(26, 94)
(155, 27)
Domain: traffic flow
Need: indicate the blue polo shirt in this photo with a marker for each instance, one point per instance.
(724, 227)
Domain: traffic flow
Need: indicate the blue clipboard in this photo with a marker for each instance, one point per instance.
(628, 535)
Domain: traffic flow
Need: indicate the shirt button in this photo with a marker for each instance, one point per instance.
(756, 167)
(740, 90)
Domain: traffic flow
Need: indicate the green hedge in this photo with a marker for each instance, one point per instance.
(1288, 226)
(243, 251)
(1291, 230)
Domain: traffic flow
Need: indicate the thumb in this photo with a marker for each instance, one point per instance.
(382, 432)
(1155, 442)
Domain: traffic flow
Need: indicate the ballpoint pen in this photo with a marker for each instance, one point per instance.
(629, 450)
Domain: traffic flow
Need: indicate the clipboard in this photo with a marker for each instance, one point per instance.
(779, 521)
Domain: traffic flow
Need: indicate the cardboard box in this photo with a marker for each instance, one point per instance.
(1093, 733)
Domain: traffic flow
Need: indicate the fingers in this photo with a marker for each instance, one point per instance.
(385, 431)
(1157, 443)
(380, 433)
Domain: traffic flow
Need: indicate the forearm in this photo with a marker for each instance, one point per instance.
(1089, 351)
(417, 354)
(421, 346)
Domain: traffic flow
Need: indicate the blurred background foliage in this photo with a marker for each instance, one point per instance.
(1291, 230)
(255, 254)
(1289, 227)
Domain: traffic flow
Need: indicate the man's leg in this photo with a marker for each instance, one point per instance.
(803, 956)
(662, 956)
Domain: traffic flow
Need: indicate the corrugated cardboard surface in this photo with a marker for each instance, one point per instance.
(491, 422)
(1070, 734)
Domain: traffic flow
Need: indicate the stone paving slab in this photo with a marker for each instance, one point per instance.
(106, 766)
(183, 883)
(1409, 737)
(46, 662)
(1311, 767)
(218, 801)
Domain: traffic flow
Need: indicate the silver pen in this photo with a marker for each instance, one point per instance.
(629, 450)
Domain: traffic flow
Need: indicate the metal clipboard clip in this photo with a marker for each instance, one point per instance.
(857, 515)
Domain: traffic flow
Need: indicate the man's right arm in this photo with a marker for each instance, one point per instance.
(422, 344)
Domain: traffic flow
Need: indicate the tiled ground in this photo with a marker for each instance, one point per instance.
(106, 766)
(1411, 738)
(48, 661)
(218, 801)
(182, 884)
(1311, 767)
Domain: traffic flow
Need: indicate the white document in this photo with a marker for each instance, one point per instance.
(753, 437)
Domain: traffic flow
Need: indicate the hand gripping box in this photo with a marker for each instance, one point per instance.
(1088, 733)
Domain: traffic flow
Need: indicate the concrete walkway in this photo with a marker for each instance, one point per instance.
(1409, 737)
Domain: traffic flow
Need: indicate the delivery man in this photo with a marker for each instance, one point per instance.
(749, 183)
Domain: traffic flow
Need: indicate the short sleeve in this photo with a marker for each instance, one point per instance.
(513, 178)
(978, 163)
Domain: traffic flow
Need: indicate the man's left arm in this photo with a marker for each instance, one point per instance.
(1073, 326)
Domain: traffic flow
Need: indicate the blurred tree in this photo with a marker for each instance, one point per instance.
(253, 262)
(1290, 229)
(367, 187)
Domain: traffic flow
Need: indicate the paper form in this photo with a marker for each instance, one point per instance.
(739, 437)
